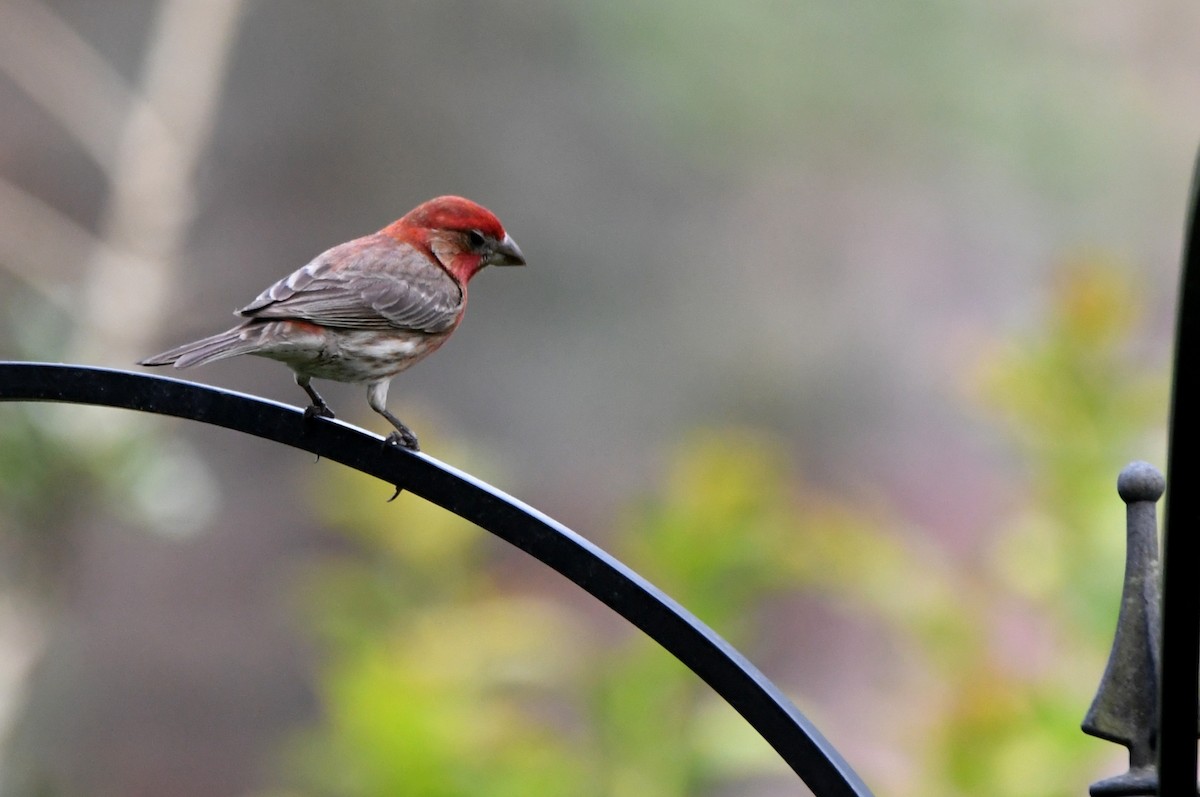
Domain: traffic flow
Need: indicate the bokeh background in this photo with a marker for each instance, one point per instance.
(838, 324)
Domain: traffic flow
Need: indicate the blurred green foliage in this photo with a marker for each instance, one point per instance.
(46, 477)
(58, 461)
(448, 669)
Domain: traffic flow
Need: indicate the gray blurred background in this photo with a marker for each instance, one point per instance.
(805, 217)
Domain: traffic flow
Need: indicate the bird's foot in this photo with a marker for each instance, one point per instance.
(403, 438)
(318, 411)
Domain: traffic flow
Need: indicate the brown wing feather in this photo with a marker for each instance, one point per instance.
(376, 285)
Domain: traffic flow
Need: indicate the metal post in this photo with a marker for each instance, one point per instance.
(1125, 709)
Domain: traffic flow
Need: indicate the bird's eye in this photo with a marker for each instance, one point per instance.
(475, 239)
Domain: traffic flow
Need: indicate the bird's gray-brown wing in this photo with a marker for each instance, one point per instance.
(369, 283)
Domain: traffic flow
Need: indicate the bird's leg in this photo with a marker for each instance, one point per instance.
(403, 436)
(318, 408)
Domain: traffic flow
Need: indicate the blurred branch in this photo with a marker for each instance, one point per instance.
(39, 244)
(151, 205)
(65, 75)
(147, 141)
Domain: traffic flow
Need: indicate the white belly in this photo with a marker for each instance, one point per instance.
(352, 355)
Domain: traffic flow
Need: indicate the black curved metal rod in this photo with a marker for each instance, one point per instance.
(734, 678)
(1180, 655)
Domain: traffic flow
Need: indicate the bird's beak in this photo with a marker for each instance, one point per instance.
(507, 253)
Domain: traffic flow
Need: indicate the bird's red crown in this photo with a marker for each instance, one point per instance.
(453, 213)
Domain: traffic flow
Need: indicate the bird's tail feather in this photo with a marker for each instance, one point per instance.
(229, 343)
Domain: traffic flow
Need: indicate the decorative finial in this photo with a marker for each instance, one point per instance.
(1140, 481)
(1125, 709)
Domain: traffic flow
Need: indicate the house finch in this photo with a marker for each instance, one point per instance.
(367, 309)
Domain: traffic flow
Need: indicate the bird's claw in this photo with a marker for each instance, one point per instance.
(402, 439)
(318, 411)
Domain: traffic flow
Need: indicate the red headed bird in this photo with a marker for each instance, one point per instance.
(367, 309)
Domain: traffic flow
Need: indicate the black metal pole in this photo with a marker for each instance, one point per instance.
(734, 678)
(1180, 694)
